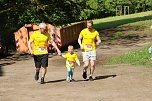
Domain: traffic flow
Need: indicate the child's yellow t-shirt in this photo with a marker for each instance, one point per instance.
(40, 42)
(70, 59)
(88, 41)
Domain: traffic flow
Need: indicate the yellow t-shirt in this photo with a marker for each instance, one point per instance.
(40, 42)
(88, 41)
(70, 59)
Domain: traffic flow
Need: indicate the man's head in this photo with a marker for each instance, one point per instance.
(90, 25)
(42, 27)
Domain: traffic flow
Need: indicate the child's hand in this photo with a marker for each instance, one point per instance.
(63, 55)
(78, 62)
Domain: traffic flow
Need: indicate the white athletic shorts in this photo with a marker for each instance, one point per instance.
(91, 55)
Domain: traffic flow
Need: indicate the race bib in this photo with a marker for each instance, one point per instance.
(42, 49)
(88, 46)
(71, 63)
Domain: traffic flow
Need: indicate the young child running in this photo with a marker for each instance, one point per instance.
(71, 59)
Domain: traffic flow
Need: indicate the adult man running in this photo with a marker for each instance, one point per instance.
(40, 40)
(88, 39)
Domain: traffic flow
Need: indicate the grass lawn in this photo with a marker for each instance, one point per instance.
(111, 22)
(136, 29)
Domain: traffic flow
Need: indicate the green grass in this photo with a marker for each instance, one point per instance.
(138, 23)
(138, 57)
(128, 32)
(111, 22)
(116, 35)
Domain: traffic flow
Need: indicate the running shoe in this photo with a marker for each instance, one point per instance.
(84, 74)
(90, 78)
(68, 79)
(36, 76)
(42, 80)
(73, 80)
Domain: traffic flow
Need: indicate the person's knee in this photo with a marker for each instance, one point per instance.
(37, 69)
(86, 64)
(92, 63)
(44, 68)
(69, 73)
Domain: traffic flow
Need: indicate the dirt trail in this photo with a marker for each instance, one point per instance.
(112, 82)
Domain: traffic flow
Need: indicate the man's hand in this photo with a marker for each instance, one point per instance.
(82, 47)
(31, 52)
(59, 52)
(97, 43)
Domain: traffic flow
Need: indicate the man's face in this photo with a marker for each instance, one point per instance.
(89, 26)
(43, 30)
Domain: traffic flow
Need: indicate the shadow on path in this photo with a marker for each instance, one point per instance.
(104, 77)
(1, 67)
(1, 71)
(98, 78)
(54, 81)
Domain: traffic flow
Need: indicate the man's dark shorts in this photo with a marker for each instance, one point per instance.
(41, 60)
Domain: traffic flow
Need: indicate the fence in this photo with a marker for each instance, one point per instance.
(62, 36)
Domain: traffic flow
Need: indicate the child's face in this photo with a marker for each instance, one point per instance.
(70, 49)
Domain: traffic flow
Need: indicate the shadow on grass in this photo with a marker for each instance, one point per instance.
(111, 24)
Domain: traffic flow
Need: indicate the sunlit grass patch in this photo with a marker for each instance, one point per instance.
(138, 57)
(111, 22)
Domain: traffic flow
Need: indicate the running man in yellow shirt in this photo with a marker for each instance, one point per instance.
(40, 40)
(71, 59)
(88, 40)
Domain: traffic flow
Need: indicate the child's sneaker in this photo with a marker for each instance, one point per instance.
(72, 80)
(68, 80)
